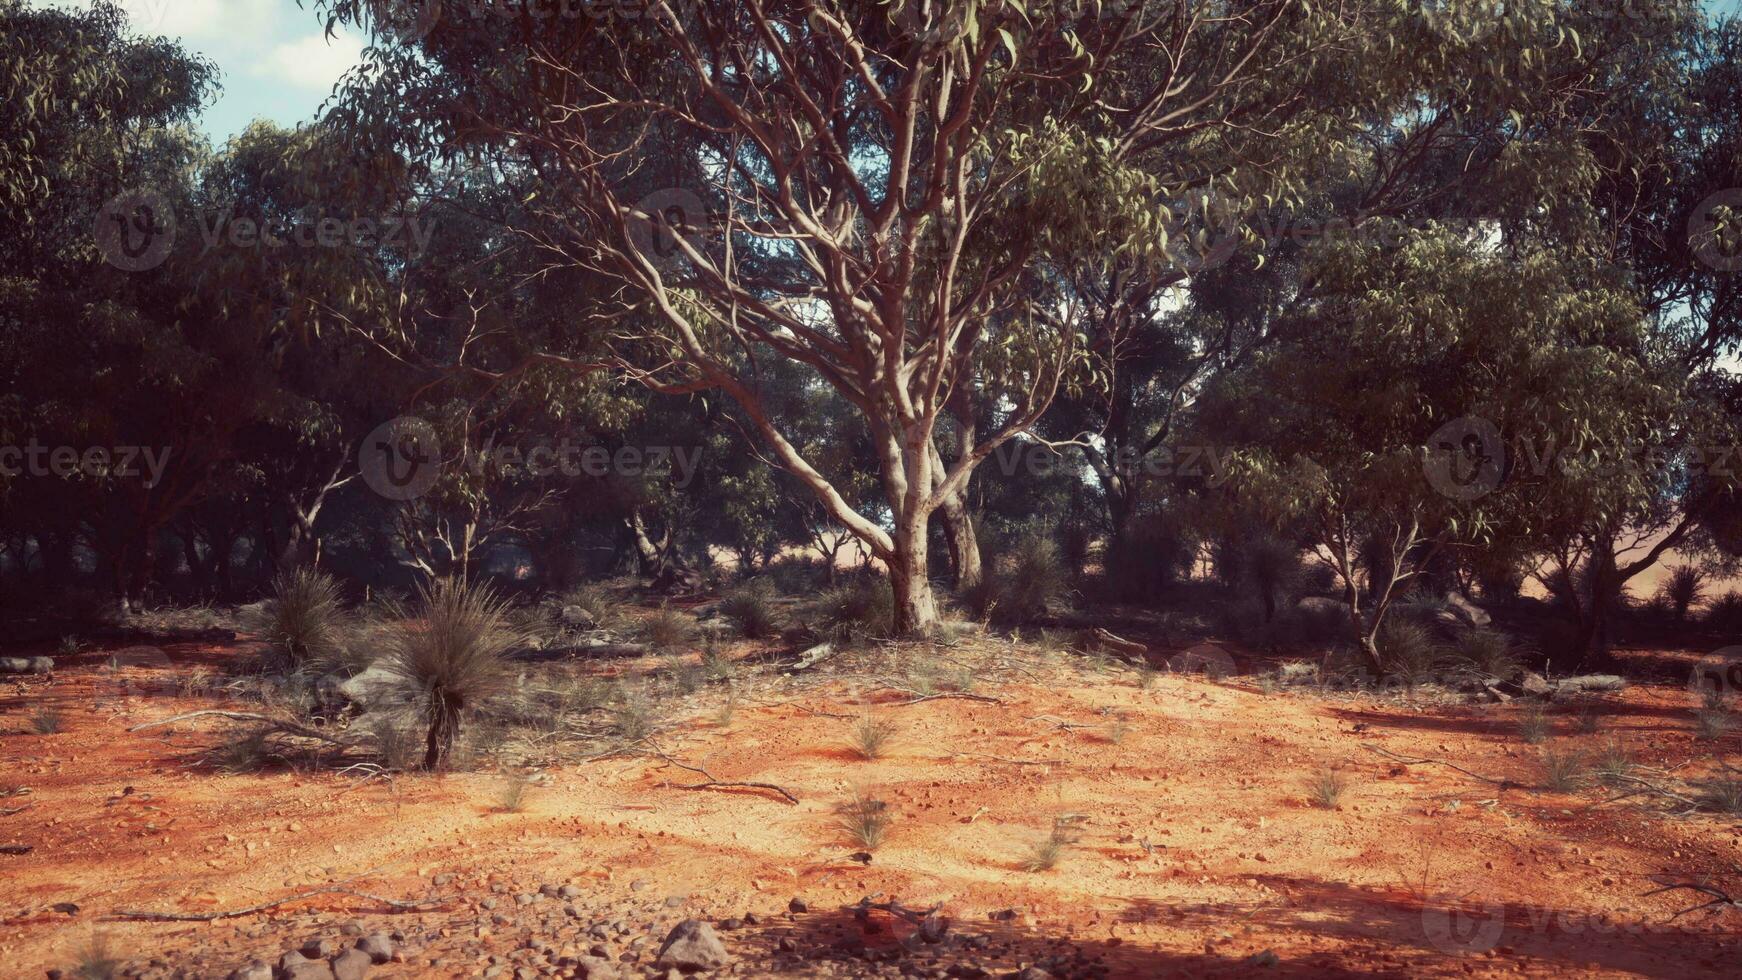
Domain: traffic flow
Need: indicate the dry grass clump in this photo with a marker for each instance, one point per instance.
(1489, 653)
(1028, 586)
(864, 607)
(1722, 796)
(633, 716)
(865, 820)
(1535, 726)
(1409, 651)
(511, 794)
(1613, 763)
(1327, 788)
(752, 611)
(305, 621)
(668, 629)
(452, 652)
(597, 602)
(47, 721)
(95, 961)
(1563, 770)
(1047, 852)
(1713, 719)
(872, 736)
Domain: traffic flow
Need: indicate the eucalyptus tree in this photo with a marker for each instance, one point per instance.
(895, 196)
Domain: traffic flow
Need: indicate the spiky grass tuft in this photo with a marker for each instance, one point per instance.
(452, 652)
(1535, 726)
(305, 621)
(872, 737)
(865, 820)
(1327, 789)
(47, 721)
(1563, 770)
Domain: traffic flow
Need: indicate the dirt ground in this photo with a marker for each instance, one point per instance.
(1197, 848)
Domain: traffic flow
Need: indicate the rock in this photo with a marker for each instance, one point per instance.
(1034, 973)
(295, 966)
(1533, 683)
(352, 964)
(933, 927)
(1465, 612)
(569, 891)
(693, 945)
(372, 688)
(378, 945)
(797, 905)
(1263, 960)
(579, 616)
(596, 968)
(352, 928)
(675, 901)
(26, 665)
(320, 949)
(548, 890)
(257, 970)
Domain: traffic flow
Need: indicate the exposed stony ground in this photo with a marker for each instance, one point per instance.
(1196, 850)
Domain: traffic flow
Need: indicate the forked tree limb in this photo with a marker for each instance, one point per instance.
(1720, 899)
(250, 910)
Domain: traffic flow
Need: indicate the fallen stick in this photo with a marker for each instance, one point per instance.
(1408, 760)
(1651, 787)
(940, 696)
(250, 910)
(713, 783)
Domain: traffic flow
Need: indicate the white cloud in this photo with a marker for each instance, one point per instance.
(311, 62)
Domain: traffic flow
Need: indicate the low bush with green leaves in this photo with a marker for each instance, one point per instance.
(1027, 586)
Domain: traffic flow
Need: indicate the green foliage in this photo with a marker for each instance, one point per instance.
(1149, 558)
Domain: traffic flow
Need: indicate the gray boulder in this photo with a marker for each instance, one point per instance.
(26, 665)
(352, 964)
(378, 945)
(256, 970)
(693, 945)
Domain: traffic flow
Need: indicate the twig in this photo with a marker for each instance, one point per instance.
(237, 913)
(939, 696)
(713, 783)
(1720, 899)
(1649, 787)
(1408, 760)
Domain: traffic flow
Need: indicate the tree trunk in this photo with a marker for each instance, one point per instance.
(915, 611)
(444, 725)
(964, 543)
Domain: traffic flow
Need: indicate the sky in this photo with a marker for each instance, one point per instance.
(276, 63)
(274, 59)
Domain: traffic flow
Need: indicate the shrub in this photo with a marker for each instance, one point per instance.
(244, 754)
(1148, 558)
(865, 820)
(1270, 571)
(864, 607)
(47, 721)
(1023, 589)
(305, 621)
(1563, 770)
(1487, 652)
(872, 736)
(1535, 726)
(1725, 612)
(1328, 788)
(1683, 589)
(1409, 650)
(716, 666)
(396, 741)
(453, 653)
(667, 629)
(596, 601)
(685, 676)
(751, 610)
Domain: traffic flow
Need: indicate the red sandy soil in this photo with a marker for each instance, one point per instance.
(1198, 847)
